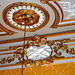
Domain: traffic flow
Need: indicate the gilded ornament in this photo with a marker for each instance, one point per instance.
(21, 14)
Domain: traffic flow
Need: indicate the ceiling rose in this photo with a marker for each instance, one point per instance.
(17, 15)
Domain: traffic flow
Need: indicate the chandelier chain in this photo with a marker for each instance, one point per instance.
(23, 47)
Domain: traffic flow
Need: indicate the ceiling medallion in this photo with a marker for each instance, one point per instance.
(17, 15)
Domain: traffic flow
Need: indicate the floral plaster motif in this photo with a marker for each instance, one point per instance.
(68, 8)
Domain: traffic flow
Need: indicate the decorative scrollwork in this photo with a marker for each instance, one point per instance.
(39, 51)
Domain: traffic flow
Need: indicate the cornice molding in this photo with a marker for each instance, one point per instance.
(17, 64)
(57, 16)
(45, 1)
(60, 10)
(9, 32)
(38, 41)
(10, 49)
(3, 34)
(46, 36)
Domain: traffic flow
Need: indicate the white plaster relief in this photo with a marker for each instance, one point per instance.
(69, 9)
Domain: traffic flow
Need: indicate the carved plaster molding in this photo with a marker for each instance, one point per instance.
(8, 32)
(39, 51)
(19, 14)
(67, 7)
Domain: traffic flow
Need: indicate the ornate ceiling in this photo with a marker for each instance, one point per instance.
(50, 31)
(61, 18)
